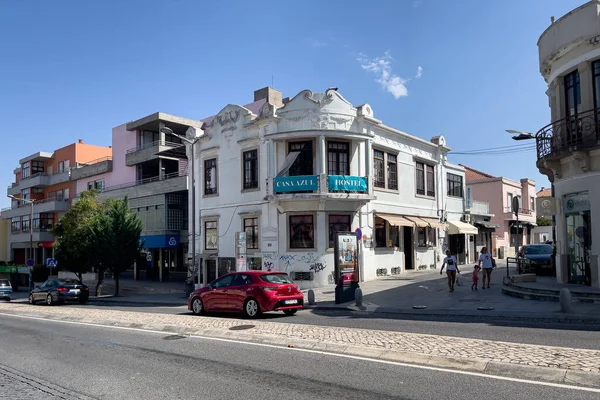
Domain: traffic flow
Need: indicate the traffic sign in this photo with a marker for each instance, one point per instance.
(30, 262)
(149, 257)
(358, 232)
(51, 263)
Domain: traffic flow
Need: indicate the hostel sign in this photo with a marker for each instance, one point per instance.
(290, 184)
(347, 183)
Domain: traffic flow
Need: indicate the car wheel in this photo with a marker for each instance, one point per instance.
(49, 300)
(197, 306)
(31, 301)
(289, 313)
(251, 308)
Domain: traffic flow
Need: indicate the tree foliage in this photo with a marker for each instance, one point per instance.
(102, 235)
(543, 221)
(73, 240)
(116, 233)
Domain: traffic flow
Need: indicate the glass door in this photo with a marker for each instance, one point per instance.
(579, 240)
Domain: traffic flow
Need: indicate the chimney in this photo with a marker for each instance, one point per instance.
(272, 96)
(80, 141)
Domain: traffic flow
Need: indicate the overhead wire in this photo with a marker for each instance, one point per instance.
(500, 150)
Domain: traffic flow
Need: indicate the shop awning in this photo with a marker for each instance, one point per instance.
(486, 224)
(396, 220)
(423, 222)
(458, 227)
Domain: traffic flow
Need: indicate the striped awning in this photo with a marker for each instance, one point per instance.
(396, 220)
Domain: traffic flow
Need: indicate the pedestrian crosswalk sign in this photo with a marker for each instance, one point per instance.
(51, 263)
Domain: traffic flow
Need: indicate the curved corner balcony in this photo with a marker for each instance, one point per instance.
(565, 136)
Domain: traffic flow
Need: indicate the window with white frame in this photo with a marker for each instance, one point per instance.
(250, 158)
(425, 179)
(210, 176)
(251, 229)
(15, 224)
(426, 237)
(455, 185)
(385, 168)
(97, 185)
(211, 236)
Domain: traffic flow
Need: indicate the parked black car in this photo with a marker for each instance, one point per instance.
(539, 256)
(55, 291)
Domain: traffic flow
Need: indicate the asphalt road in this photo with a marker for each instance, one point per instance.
(111, 363)
(556, 334)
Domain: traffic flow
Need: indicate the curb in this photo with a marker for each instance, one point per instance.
(484, 315)
(487, 367)
(120, 302)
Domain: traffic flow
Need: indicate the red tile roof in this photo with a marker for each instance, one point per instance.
(544, 193)
(474, 175)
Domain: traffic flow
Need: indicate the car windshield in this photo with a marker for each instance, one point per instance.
(543, 249)
(69, 282)
(276, 278)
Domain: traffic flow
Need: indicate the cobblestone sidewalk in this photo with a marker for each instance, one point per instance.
(372, 342)
(15, 385)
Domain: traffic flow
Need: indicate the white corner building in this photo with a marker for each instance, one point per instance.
(292, 172)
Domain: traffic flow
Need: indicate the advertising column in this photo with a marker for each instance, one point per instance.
(240, 251)
(346, 266)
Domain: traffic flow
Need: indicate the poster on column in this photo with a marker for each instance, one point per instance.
(346, 254)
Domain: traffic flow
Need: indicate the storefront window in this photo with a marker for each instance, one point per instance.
(394, 236)
(302, 233)
(380, 239)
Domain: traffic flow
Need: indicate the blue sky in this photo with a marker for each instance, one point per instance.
(465, 69)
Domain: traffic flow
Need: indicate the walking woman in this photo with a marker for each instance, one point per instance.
(451, 269)
(488, 264)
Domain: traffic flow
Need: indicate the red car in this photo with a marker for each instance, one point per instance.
(250, 292)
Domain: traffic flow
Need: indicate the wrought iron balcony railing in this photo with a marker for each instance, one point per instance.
(578, 132)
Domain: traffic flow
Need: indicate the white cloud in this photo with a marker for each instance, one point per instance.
(419, 72)
(318, 43)
(382, 68)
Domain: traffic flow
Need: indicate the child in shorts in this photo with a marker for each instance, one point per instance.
(476, 269)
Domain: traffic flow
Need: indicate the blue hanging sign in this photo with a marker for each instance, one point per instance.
(347, 183)
(290, 184)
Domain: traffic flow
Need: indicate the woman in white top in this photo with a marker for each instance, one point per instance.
(451, 269)
(488, 264)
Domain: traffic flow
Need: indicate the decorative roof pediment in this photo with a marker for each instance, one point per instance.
(230, 119)
(309, 110)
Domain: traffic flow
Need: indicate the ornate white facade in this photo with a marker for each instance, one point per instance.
(293, 173)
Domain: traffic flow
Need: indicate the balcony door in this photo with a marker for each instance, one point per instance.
(338, 158)
(573, 103)
(304, 163)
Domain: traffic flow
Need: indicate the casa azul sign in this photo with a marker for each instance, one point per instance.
(289, 184)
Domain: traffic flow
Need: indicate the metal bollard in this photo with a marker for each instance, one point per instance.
(358, 296)
(565, 300)
(311, 297)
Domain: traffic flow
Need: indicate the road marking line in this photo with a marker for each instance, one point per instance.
(353, 357)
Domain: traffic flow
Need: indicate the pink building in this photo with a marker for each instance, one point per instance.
(107, 172)
(499, 193)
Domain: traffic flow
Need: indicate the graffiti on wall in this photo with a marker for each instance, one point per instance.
(317, 267)
(287, 260)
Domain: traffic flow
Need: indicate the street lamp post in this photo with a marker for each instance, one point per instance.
(519, 135)
(192, 144)
(30, 202)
